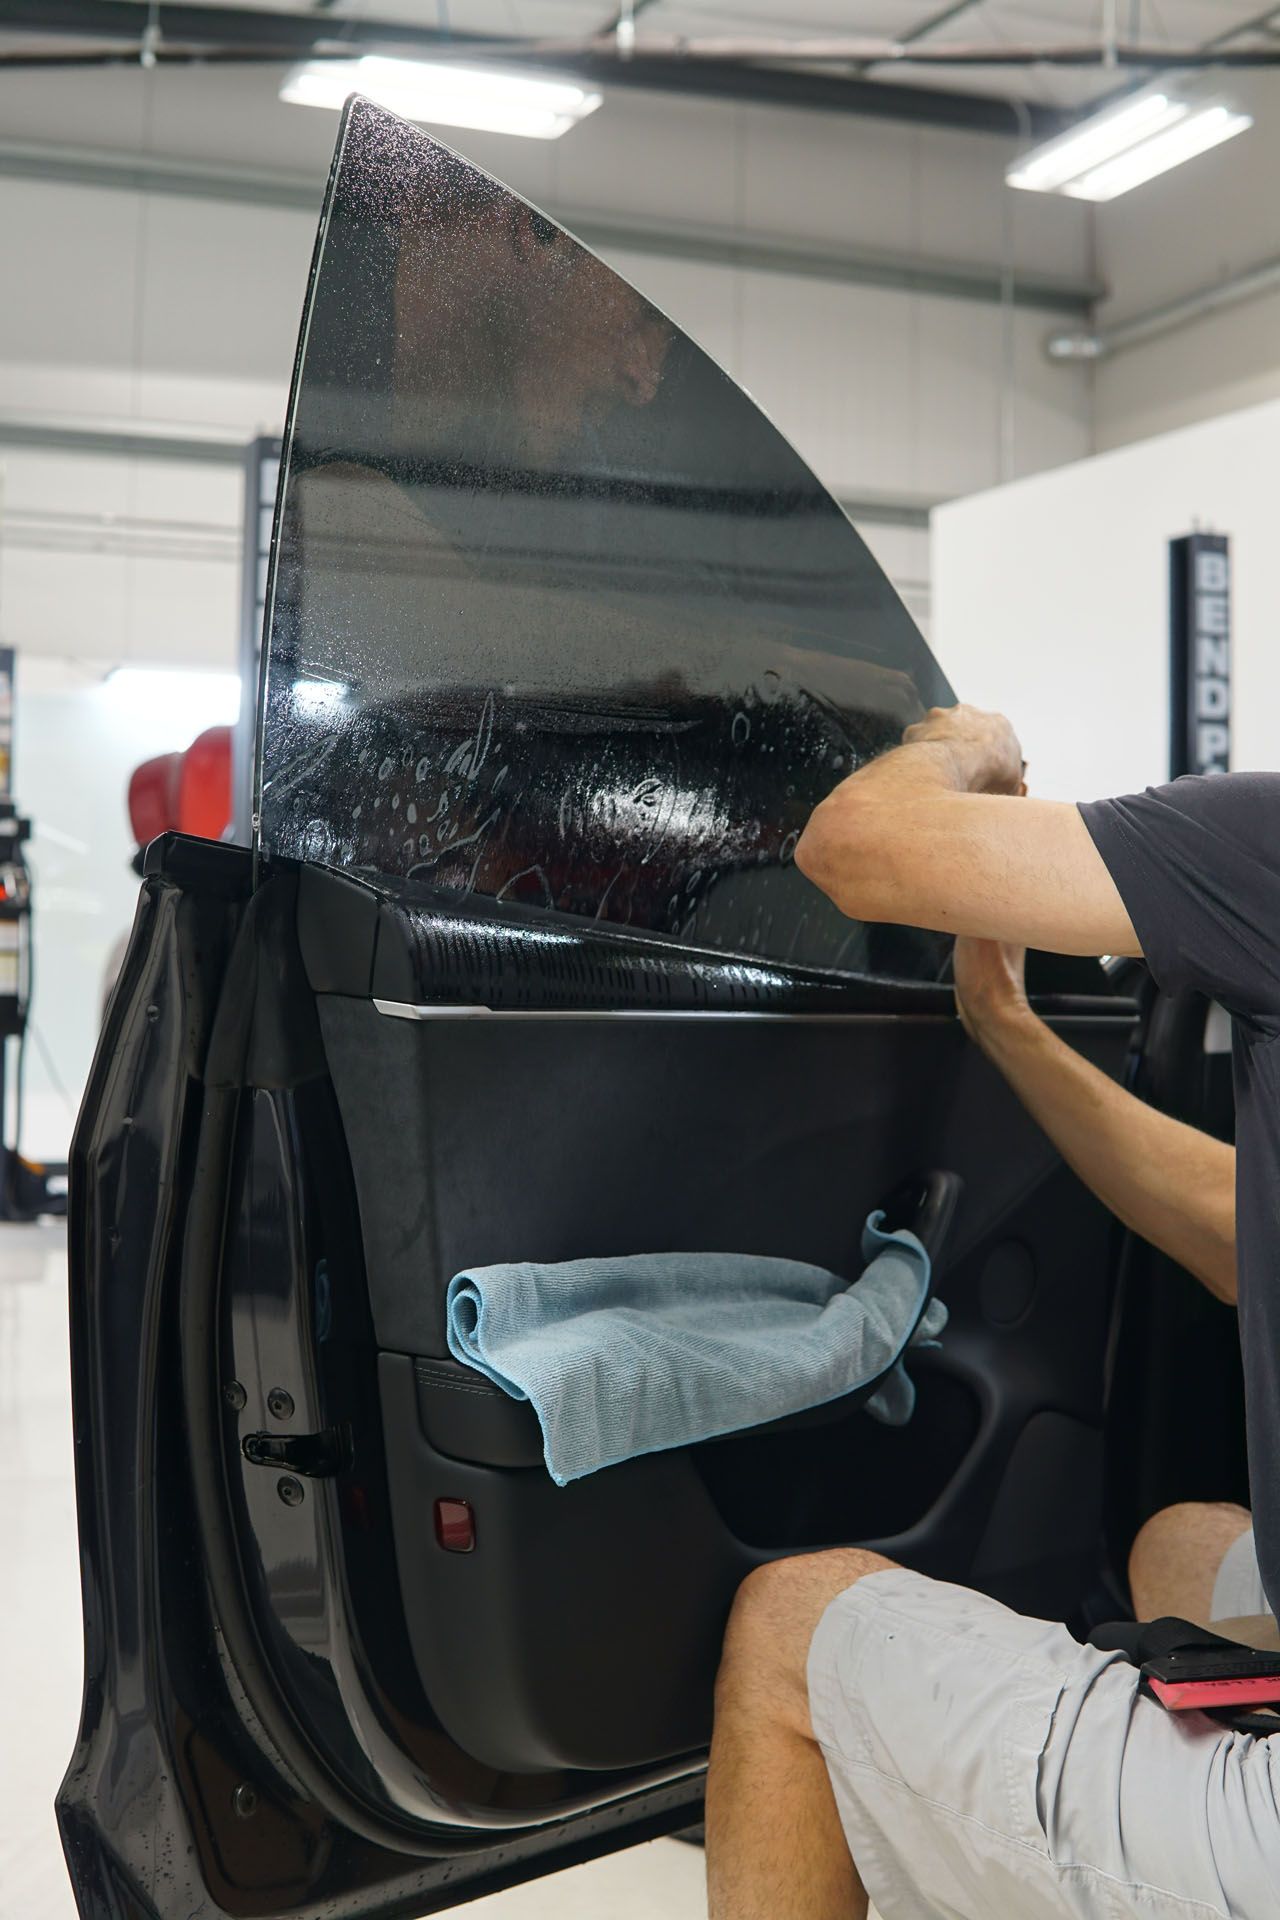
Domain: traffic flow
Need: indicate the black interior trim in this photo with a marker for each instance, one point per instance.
(466, 1417)
(412, 944)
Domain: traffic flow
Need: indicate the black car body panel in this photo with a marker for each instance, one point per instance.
(590, 1008)
(214, 1773)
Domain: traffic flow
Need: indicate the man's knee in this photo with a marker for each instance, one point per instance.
(1178, 1551)
(775, 1613)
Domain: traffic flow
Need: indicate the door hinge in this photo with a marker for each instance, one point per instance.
(317, 1455)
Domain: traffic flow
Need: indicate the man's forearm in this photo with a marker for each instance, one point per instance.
(853, 842)
(1171, 1184)
(928, 836)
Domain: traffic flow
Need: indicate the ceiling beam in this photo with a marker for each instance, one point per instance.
(621, 14)
(1259, 23)
(139, 440)
(132, 439)
(931, 24)
(266, 36)
(1221, 43)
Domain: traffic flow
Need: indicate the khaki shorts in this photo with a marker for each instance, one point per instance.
(1237, 1591)
(988, 1767)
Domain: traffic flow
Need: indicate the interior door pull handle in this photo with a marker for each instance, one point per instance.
(926, 1206)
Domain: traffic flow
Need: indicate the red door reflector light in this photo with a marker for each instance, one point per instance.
(455, 1526)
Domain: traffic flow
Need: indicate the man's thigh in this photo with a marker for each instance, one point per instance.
(986, 1764)
(1177, 1556)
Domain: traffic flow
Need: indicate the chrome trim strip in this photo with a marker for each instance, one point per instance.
(406, 1010)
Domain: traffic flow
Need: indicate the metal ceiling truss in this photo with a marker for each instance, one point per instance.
(783, 71)
(193, 30)
(931, 24)
(107, 32)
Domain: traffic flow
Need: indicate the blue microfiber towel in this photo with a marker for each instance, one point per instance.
(629, 1355)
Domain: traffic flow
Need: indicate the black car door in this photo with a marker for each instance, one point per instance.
(564, 643)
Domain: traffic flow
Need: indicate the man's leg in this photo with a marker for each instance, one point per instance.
(1175, 1559)
(775, 1846)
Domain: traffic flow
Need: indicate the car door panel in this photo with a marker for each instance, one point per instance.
(519, 967)
(479, 1141)
(566, 1665)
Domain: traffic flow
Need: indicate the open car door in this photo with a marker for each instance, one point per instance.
(564, 644)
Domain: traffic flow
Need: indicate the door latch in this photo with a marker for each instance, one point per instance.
(317, 1455)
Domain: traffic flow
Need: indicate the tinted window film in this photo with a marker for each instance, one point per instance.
(557, 615)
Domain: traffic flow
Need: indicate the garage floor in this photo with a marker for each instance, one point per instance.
(40, 1646)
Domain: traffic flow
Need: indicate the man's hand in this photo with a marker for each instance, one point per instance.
(990, 982)
(983, 747)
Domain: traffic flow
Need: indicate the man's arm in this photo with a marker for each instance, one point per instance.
(926, 836)
(1166, 1181)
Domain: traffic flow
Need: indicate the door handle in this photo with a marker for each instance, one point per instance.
(926, 1206)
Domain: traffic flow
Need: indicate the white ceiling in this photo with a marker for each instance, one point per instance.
(998, 23)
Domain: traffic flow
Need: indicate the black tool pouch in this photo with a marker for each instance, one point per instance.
(1173, 1650)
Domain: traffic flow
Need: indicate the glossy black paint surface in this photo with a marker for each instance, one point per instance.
(558, 616)
(253, 1739)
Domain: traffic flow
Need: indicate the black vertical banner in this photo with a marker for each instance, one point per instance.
(1199, 654)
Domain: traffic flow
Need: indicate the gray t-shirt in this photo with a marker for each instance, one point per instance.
(1197, 864)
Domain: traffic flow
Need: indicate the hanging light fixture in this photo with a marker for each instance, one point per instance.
(534, 106)
(1119, 148)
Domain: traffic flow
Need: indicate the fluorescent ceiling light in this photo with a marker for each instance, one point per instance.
(1196, 134)
(1120, 148)
(1048, 168)
(445, 94)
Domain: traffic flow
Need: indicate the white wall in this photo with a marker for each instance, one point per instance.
(119, 559)
(183, 311)
(182, 314)
(1051, 600)
(1203, 223)
(78, 737)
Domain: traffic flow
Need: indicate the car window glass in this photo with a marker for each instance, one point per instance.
(557, 616)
